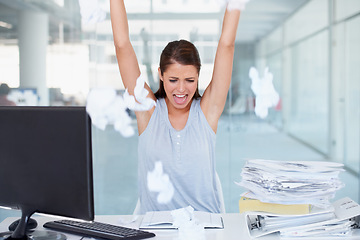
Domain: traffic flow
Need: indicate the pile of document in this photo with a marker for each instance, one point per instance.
(289, 182)
(341, 219)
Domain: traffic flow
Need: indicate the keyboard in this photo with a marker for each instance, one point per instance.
(98, 230)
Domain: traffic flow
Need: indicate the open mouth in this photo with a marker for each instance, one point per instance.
(180, 98)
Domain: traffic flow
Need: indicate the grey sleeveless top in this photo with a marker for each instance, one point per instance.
(187, 156)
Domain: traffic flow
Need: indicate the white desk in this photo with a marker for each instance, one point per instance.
(234, 228)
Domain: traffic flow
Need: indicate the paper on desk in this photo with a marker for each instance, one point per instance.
(331, 229)
(188, 225)
(346, 208)
(333, 220)
(165, 220)
(289, 182)
(345, 211)
(309, 166)
(279, 222)
(317, 195)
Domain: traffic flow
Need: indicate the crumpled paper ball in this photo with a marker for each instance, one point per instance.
(188, 226)
(264, 90)
(91, 12)
(158, 181)
(106, 107)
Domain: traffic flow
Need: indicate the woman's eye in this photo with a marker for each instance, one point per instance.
(190, 80)
(172, 80)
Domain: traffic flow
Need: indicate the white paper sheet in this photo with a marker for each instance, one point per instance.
(164, 219)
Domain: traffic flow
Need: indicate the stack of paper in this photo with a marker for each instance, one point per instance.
(287, 182)
(341, 219)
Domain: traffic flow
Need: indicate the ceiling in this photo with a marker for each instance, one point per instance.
(262, 16)
(259, 18)
(69, 15)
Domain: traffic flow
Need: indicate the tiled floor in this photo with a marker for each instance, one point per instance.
(115, 165)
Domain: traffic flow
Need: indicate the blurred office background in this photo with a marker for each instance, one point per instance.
(53, 52)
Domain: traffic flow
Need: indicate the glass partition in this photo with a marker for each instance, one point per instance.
(309, 120)
(352, 97)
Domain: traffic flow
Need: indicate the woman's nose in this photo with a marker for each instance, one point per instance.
(181, 86)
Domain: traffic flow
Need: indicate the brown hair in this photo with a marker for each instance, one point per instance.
(182, 52)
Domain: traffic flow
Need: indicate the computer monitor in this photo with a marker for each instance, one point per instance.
(46, 162)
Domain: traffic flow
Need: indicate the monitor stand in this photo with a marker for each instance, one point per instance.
(21, 233)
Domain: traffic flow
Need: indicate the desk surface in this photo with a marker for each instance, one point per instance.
(234, 227)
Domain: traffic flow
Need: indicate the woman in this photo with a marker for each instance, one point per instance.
(180, 131)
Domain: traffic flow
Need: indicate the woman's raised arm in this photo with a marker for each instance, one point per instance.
(125, 54)
(126, 58)
(214, 97)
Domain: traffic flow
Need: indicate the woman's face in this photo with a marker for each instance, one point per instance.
(180, 83)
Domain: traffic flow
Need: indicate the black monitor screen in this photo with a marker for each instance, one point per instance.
(46, 161)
